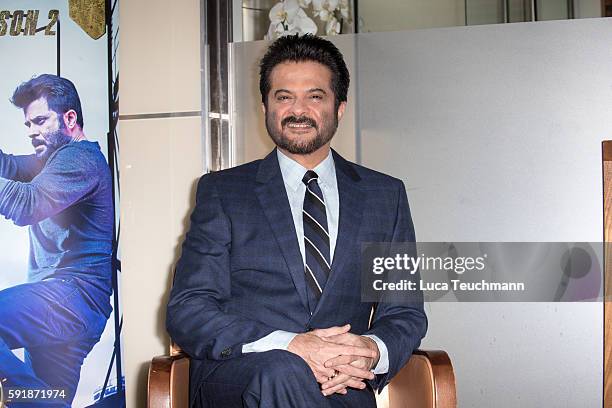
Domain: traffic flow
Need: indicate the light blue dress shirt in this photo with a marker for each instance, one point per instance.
(292, 173)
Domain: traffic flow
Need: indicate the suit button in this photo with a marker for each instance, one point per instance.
(309, 328)
(226, 352)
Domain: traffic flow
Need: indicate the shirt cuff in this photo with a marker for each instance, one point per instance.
(277, 340)
(383, 360)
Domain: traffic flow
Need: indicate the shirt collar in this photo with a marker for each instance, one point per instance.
(293, 172)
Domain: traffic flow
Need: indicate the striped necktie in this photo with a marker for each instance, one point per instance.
(316, 239)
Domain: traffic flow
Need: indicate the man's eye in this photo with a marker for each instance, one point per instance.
(319, 97)
(283, 98)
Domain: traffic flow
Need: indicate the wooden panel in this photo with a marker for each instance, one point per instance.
(606, 8)
(607, 185)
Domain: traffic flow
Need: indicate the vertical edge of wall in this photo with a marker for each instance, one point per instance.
(607, 208)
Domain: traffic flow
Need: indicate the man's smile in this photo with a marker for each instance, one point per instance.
(299, 128)
(299, 124)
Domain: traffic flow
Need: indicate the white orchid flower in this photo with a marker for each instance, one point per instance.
(344, 8)
(302, 24)
(324, 9)
(278, 21)
(271, 31)
(331, 5)
(292, 8)
(289, 17)
(277, 14)
(284, 12)
(308, 25)
(323, 14)
(319, 11)
(274, 31)
(332, 27)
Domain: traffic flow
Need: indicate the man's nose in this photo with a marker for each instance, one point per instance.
(299, 107)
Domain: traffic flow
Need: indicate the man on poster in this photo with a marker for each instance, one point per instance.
(63, 193)
(266, 298)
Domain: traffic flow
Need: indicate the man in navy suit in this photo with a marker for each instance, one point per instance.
(267, 296)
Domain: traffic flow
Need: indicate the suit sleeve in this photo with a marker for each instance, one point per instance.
(400, 325)
(196, 318)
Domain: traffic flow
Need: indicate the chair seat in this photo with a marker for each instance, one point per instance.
(426, 381)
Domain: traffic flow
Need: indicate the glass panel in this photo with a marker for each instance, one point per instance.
(589, 8)
(255, 21)
(552, 9)
(392, 15)
(395, 15)
(484, 12)
(519, 11)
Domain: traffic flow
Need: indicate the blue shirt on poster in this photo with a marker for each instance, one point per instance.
(67, 204)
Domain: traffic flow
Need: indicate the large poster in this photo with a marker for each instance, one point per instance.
(59, 311)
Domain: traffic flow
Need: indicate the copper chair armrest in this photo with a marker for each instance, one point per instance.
(426, 381)
(168, 382)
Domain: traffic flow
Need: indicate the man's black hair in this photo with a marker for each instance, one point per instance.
(303, 48)
(60, 93)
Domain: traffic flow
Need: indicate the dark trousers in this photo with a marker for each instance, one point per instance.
(54, 322)
(274, 379)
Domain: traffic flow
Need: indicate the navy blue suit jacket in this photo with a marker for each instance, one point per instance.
(241, 274)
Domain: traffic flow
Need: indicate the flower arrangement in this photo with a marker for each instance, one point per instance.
(289, 17)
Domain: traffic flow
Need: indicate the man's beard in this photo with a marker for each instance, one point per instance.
(323, 133)
(53, 141)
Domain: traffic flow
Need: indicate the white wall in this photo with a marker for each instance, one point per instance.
(496, 131)
(160, 158)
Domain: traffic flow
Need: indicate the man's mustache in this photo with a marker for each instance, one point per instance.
(36, 142)
(299, 120)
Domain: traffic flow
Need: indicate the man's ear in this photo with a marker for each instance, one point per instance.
(70, 119)
(263, 108)
(341, 109)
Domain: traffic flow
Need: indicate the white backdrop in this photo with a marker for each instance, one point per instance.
(496, 132)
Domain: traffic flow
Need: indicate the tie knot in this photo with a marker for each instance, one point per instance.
(309, 177)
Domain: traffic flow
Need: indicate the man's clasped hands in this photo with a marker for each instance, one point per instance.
(337, 358)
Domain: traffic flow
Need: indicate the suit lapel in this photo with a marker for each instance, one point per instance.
(272, 196)
(351, 211)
